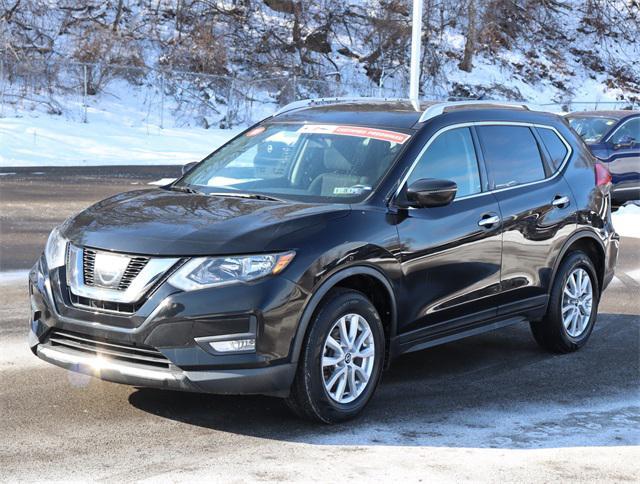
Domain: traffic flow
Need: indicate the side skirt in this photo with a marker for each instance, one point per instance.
(528, 310)
(401, 347)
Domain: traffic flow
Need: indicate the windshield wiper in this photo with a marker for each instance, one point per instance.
(181, 188)
(252, 196)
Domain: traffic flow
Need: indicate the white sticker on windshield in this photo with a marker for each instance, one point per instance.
(355, 190)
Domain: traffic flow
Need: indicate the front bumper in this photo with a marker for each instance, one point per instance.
(274, 380)
(173, 324)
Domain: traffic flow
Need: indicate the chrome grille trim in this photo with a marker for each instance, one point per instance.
(143, 355)
(135, 266)
(149, 274)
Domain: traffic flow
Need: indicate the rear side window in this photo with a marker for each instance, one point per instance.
(511, 154)
(556, 148)
(451, 156)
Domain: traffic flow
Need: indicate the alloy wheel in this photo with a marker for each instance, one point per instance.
(577, 302)
(348, 358)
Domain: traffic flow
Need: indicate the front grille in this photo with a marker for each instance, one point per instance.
(89, 303)
(88, 263)
(142, 355)
(136, 264)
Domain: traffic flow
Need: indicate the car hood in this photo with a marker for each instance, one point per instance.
(169, 223)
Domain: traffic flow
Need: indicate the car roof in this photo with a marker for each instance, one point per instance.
(397, 113)
(384, 113)
(617, 114)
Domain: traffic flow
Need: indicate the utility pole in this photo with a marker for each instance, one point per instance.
(84, 92)
(416, 40)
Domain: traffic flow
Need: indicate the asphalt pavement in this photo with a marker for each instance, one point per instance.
(491, 408)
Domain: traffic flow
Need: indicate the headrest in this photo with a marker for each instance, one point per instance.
(334, 161)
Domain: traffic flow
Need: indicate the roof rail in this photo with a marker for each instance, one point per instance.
(330, 100)
(439, 108)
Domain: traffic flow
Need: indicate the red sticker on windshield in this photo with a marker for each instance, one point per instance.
(358, 131)
(255, 131)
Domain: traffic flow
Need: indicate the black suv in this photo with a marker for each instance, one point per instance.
(307, 253)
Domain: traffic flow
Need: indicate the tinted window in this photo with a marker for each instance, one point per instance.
(511, 155)
(628, 131)
(556, 148)
(451, 156)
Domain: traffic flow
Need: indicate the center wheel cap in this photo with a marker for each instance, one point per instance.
(347, 358)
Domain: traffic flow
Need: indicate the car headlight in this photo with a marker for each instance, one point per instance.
(55, 250)
(218, 271)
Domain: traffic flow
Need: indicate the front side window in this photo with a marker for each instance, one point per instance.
(451, 156)
(556, 148)
(305, 162)
(591, 129)
(627, 132)
(511, 154)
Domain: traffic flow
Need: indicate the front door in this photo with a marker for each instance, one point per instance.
(623, 160)
(450, 255)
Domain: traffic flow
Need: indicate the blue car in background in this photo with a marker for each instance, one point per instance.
(614, 138)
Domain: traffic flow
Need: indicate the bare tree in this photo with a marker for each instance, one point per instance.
(119, 11)
(470, 43)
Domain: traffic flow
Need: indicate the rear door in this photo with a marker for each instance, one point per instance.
(536, 205)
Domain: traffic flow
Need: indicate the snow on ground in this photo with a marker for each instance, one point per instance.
(57, 141)
(13, 277)
(162, 182)
(626, 221)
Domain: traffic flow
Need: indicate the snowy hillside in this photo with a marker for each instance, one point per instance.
(91, 82)
(109, 139)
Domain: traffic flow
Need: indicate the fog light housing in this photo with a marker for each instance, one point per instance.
(234, 345)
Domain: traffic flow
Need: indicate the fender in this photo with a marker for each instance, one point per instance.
(580, 234)
(324, 288)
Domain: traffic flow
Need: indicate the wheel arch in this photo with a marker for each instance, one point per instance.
(376, 286)
(589, 243)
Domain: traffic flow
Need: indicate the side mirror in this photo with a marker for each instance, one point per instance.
(188, 166)
(624, 142)
(430, 192)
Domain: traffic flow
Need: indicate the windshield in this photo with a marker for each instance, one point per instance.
(306, 162)
(592, 129)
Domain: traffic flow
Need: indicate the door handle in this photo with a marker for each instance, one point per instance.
(489, 220)
(560, 201)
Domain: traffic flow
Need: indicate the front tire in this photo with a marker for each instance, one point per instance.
(341, 360)
(573, 306)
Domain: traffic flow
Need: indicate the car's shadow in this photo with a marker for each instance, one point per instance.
(493, 390)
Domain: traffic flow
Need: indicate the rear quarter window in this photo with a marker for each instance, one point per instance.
(556, 148)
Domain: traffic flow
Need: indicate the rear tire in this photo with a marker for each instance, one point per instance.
(573, 306)
(341, 360)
